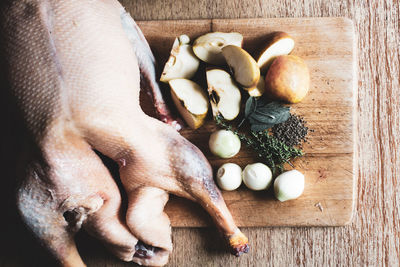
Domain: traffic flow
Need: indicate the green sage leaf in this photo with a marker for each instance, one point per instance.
(251, 105)
(263, 115)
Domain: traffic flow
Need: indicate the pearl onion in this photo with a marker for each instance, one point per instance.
(229, 176)
(224, 144)
(289, 185)
(257, 176)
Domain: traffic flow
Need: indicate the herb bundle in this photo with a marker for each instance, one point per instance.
(272, 151)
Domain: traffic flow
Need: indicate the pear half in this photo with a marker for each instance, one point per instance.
(191, 101)
(208, 46)
(243, 66)
(224, 94)
(277, 44)
(182, 62)
(258, 90)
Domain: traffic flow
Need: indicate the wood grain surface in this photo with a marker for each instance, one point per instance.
(327, 46)
(373, 237)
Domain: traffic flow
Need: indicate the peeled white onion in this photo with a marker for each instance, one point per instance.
(229, 176)
(257, 176)
(289, 185)
(224, 144)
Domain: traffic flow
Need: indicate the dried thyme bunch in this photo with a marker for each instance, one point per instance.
(272, 151)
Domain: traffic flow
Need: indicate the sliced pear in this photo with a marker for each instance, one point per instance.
(208, 46)
(244, 67)
(224, 94)
(191, 101)
(277, 44)
(258, 90)
(182, 62)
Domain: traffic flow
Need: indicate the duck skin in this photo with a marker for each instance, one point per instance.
(75, 69)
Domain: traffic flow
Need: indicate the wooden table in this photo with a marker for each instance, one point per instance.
(373, 239)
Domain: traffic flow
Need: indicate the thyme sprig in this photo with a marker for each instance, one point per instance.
(268, 148)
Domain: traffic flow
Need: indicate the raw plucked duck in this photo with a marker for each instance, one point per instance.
(75, 68)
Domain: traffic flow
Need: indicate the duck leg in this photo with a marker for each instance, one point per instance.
(169, 162)
(146, 220)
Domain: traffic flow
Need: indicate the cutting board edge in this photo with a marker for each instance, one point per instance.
(355, 121)
(340, 223)
(344, 19)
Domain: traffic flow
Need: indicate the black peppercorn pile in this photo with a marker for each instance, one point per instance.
(291, 132)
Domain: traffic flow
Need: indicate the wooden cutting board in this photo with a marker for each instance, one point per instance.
(328, 47)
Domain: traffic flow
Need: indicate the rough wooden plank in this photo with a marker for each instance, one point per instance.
(327, 45)
(372, 238)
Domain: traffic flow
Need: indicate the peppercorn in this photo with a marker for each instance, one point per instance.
(292, 132)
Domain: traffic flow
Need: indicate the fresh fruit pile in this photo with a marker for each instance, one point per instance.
(271, 79)
(275, 74)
